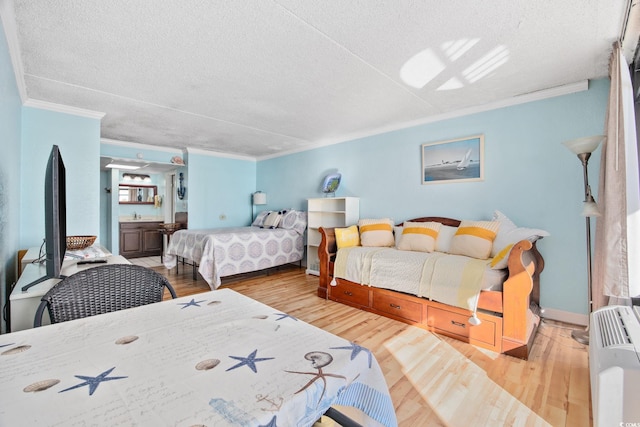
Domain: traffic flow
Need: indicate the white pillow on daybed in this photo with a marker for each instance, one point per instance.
(508, 235)
(445, 236)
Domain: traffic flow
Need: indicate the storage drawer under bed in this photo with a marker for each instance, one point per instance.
(397, 306)
(352, 294)
(458, 324)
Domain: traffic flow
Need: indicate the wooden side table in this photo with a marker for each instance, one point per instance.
(168, 229)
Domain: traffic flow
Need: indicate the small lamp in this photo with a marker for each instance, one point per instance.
(589, 207)
(583, 147)
(258, 198)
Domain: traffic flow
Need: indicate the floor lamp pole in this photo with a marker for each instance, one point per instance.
(582, 336)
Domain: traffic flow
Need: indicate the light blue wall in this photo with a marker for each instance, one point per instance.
(10, 119)
(219, 191)
(529, 176)
(79, 142)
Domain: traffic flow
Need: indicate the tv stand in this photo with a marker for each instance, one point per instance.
(25, 288)
(24, 303)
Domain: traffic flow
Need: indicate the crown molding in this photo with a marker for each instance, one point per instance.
(508, 102)
(59, 108)
(218, 154)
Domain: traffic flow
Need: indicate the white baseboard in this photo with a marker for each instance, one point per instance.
(565, 316)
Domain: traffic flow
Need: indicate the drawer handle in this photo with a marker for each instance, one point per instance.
(394, 306)
(348, 293)
(454, 323)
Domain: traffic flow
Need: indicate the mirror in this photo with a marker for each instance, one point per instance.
(137, 194)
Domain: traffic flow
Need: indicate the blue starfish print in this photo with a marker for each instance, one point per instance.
(284, 316)
(272, 423)
(193, 303)
(250, 361)
(355, 350)
(93, 382)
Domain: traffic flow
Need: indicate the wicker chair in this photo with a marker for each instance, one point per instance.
(102, 290)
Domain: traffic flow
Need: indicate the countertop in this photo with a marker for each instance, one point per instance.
(129, 218)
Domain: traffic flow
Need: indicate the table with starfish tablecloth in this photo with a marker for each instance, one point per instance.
(217, 358)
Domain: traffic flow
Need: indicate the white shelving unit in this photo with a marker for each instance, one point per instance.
(327, 212)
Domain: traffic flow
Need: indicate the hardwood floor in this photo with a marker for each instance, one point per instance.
(436, 380)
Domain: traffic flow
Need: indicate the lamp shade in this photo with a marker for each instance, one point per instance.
(588, 144)
(259, 198)
(590, 208)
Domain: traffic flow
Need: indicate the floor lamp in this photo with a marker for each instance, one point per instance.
(583, 147)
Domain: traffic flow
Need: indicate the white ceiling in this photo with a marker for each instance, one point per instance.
(257, 78)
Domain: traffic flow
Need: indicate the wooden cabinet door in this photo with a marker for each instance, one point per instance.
(151, 242)
(130, 242)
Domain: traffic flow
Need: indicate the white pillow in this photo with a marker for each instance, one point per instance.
(419, 236)
(509, 233)
(260, 219)
(397, 234)
(376, 232)
(445, 236)
(474, 238)
(272, 220)
(293, 220)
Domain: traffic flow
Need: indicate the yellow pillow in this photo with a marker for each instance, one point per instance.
(419, 236)
(501, 259)
(347, 237)
(376, 232)
(474, 238)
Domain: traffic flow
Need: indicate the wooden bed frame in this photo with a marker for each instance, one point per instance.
(509, 317)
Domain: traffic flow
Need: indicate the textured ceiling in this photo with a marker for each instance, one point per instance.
(258, 78)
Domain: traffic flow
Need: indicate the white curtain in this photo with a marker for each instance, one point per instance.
(616, 270)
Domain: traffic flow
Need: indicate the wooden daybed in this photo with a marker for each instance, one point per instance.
(509, 317)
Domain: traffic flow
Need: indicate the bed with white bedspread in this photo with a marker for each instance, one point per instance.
(222, 252)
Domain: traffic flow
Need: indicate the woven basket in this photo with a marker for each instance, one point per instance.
(80, 242)
(171, 226)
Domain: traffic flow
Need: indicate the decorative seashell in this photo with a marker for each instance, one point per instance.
(40, 386)
(319, 359)
(205, 365)
(126, 340)
(260, 316)
(16, 350)
(214, 302)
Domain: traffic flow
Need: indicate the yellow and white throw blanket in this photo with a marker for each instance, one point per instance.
(450, 279)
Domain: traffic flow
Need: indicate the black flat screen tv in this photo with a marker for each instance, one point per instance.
(55, 215)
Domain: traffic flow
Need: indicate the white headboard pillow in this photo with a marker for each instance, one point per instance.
(445, 236)
(508, 235)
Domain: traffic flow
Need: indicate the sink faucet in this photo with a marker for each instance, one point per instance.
(135, 215)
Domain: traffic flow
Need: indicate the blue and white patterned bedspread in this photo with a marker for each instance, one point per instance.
(222, 252)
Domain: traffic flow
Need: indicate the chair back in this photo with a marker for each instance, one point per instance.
(100, 290)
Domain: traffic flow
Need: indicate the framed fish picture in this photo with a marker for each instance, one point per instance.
(454, 160)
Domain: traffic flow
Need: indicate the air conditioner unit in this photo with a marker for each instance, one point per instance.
(614, 365)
